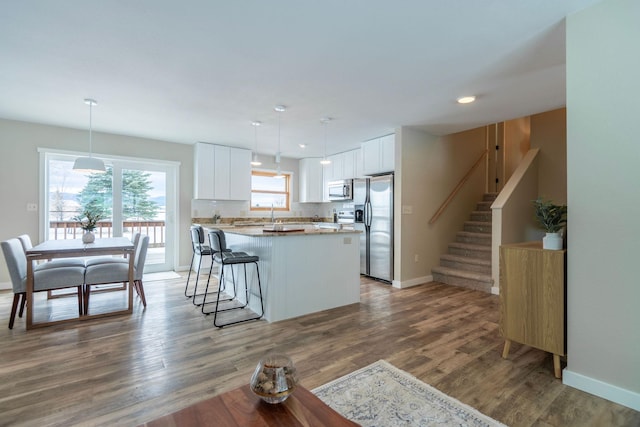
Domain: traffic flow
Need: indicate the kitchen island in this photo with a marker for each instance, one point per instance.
(301, 272)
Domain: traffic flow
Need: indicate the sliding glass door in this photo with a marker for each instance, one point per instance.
(132, 196)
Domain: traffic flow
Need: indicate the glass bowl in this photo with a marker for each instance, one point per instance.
(274, 378)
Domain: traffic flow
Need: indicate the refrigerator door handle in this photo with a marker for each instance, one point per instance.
(367, 214)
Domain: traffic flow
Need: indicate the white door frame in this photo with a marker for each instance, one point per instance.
(172, 218)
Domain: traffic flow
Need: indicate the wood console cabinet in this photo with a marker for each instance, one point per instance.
(533, 298)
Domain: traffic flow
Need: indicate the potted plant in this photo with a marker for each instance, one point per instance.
(552, 218)
(88, 221)
(216, 218)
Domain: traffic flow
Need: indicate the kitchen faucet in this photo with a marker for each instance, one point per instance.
(272, 218)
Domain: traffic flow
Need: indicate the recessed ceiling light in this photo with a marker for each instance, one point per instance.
(302, 145)
(466, 99)
(280, 108)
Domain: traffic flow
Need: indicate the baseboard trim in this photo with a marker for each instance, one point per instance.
(411, 282)
(615, 394)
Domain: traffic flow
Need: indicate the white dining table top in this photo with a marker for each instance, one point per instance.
(75, 245)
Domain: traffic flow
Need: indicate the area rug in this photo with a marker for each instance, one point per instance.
(382, 395)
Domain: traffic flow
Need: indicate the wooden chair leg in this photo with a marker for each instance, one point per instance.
(14, 308)
(23, 302)
(80, 301)
(87, 292)
(140, 289)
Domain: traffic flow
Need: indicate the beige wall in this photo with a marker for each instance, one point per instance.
(428, 170)
(603, 171)
(19, 172)
(516, 144)
(549, 134)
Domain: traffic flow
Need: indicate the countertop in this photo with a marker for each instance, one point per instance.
(308, 230)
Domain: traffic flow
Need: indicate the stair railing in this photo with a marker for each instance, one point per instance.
(455, 191)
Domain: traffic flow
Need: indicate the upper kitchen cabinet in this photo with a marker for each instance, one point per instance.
(221, 173)
(310, 181)
(343, 166)
(378, 155)
(240, 174)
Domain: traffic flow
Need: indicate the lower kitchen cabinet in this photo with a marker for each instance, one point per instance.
(533, 298)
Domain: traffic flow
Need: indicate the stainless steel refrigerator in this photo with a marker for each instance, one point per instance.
(373, 210)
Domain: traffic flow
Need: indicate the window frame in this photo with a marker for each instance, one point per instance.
(286, 192)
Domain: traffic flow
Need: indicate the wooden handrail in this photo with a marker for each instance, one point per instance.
(464, 179)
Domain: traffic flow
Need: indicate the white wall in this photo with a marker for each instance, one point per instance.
(603, 172)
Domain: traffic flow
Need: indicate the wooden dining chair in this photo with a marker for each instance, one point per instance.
(45, 277)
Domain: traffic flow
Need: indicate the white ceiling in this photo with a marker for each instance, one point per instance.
(186, 71)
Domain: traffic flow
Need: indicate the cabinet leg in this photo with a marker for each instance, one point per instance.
(556, 366)
(505, 350)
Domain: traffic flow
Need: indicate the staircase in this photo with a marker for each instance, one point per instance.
(468, 261)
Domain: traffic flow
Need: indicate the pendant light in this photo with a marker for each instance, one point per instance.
(89, 164)
(280, 109)
(255, 161)
(325, 121)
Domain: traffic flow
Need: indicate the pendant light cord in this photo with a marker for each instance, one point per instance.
(90, 129)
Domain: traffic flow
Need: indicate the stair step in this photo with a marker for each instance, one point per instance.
(489, 197)
(484, 206)
(471, 237)
(461, 278)
(470, 250)
(459, 262)
(477, 226)
(483, 216)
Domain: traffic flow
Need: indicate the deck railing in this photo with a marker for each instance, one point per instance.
(61, 230)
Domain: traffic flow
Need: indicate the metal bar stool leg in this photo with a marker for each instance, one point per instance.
(189, 277)
(247, 295)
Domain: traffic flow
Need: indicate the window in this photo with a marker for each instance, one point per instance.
(135, 195)
(269, 190)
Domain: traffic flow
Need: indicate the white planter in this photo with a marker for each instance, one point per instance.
(552, 241)
(88, 237)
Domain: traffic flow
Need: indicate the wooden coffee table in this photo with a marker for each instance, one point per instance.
(241, 408)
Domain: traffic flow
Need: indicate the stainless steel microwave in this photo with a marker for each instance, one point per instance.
(341, 190)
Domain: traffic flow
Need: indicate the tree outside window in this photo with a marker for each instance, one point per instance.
(97, 194)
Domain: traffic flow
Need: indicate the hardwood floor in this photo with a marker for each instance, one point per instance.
(132, 369)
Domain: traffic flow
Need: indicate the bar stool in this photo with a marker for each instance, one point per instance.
(200, 249)
(223, 256)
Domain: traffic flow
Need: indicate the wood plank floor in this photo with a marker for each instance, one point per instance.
(132, 369)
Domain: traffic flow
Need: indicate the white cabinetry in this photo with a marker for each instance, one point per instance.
(311, 181)
(343, 165)
(378, 155)
(349, 164)
(240, 174)
(221, 173)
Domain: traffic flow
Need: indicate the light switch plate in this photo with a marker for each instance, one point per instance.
(32, 207)
(407, 209)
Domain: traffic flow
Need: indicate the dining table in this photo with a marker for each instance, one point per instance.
(70, 248)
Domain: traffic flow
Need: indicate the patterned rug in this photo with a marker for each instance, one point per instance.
(382, 395)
